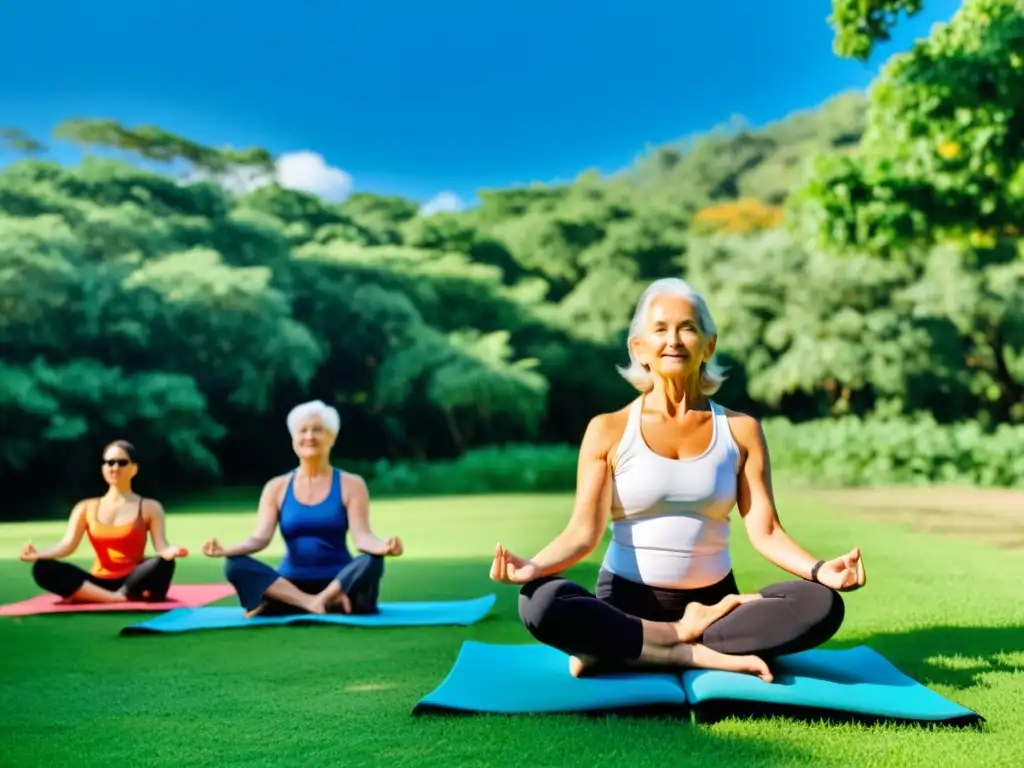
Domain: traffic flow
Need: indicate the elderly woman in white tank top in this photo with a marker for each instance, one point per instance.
(668, 470)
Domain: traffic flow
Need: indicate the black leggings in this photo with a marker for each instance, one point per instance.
(149, 581)
(793, 616)
(360, 580)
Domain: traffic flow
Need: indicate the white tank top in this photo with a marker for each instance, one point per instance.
(670, 517)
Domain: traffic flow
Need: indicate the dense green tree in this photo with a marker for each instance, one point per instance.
(189, 315)
(942, 158)
(824, 336)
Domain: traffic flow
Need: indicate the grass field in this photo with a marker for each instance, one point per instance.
(945, 609)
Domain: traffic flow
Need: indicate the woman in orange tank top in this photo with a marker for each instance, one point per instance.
(117, 525)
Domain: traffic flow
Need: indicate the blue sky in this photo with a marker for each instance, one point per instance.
(421, 98)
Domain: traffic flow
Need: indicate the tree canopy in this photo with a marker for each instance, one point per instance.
(942, 156)
(861, 24)
(861, 259)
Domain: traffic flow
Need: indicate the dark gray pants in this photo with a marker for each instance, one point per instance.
(793, 616)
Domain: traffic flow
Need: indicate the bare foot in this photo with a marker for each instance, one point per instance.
(314, 604)
(697, 617)
(694, 656)
(318, 604)
(578, 665)
(103, 596)
(339, 603)
(94, 593)
(702, 657)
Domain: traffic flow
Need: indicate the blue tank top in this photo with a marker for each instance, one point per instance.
(314, 535)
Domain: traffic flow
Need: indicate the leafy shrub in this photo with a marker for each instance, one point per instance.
(842, 452)
(851, 452)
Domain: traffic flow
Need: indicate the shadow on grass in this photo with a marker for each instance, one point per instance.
(948, 655)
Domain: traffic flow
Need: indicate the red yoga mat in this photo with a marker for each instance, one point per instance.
(179, 596)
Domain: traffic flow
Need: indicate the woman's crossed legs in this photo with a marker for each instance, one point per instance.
(149, 581)
(713, 627)
(263, 591)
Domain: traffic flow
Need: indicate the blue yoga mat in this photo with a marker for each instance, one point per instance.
(457, 612)
(535, 678)
(516, 679)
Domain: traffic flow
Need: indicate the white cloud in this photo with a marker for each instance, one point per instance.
(443, 202)
(307, 171)
(302, 170)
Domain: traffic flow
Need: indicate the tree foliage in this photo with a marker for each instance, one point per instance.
(741, 217)
(154, 143)
(861, 24)
(21, 142)
(179, 311)
(942, 157)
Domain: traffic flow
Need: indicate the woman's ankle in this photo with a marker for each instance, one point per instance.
(660, 633)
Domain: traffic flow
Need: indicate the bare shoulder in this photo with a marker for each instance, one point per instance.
(275, 487)
(152, 508)
(353, 483)
(78, 511)
(353, 488)
(604, 433)
(746, 430)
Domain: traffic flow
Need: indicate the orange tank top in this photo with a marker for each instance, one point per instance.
(119, 548)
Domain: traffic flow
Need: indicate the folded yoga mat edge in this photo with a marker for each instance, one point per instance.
(495, 679)
(396, 614)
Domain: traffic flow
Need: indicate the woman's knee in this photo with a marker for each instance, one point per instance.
(374, 568)
(162, 575)
(43, 573)
(541, 604)
(57, 577)
(815, 605)
(237, 567)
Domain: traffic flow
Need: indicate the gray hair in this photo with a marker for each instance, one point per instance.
(711, 375)
(314, 409)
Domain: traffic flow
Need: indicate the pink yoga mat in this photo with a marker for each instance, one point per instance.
(179, 596)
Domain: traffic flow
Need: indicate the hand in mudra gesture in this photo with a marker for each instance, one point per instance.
(511, 569)
(212, 548)
(844, 573)
(172, 553)
(393, 547)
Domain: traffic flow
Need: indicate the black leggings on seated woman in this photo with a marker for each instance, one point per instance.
(149, 581)
(793, 616)
(360, 580)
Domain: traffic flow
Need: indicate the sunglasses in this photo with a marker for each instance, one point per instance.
(116, 462)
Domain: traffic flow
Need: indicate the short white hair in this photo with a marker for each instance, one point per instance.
(314, 409)
(712, 374)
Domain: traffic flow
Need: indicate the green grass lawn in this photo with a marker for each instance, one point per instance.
(946, 611)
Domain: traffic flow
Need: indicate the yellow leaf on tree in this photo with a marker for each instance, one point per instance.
(949, 149)
(739, 216)
(982, 239)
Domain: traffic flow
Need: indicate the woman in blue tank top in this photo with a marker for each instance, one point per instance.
(316, 507)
